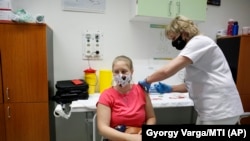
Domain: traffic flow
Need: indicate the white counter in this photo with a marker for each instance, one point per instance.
(167, 100)
(158, 101)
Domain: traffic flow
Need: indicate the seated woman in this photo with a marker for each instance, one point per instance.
(123, 108)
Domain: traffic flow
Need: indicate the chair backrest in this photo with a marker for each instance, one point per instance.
(244, 115)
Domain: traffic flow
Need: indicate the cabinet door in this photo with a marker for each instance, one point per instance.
(1, 90)
(27, 122)
(193, 9)
(244, 66)
(2, 124)
(24, 64)
(243, 76)
(154, 8)
(162, 11)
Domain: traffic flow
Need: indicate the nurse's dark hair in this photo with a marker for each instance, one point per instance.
(125, 59)
(182, 24)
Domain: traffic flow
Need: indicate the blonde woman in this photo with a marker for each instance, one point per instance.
(208, 78)
(123, 108)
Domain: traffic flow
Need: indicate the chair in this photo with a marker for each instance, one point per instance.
(244, 115)
(94, 129)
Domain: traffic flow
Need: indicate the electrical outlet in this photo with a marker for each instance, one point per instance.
(92, 44)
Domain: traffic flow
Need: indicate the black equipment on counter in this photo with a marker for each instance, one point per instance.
(70, 90)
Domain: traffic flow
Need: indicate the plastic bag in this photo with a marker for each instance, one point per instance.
(22, 16)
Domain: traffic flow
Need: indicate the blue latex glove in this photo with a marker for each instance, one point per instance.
(145, 85)
(152, 89)
(163, 88)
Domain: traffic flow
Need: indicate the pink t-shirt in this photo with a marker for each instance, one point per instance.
(126, 109)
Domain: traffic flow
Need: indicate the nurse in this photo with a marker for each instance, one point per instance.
(208, 78)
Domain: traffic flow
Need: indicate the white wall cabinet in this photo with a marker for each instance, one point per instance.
(162, 11)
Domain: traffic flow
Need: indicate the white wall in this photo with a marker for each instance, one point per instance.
(121, 36)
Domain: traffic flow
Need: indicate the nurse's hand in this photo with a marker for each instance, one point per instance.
(145, 85)
(163, 88)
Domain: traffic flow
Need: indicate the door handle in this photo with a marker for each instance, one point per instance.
(7, 93)
(169, 7)
(179, 8)
(8, 110)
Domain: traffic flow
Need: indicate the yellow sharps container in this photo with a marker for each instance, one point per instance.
(91, 80)
(105, 79)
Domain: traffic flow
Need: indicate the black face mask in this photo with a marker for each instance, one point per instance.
(179, 43)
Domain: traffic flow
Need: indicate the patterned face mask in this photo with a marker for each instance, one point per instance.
(122, 80)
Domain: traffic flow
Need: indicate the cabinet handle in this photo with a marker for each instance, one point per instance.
(7, 93)
(8, 112)
(178, 3)
(169, 8)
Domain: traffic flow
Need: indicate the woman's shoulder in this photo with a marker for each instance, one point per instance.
(108, 91)
(203, 38)
(107, 95)
(139, 90)
(137, 86)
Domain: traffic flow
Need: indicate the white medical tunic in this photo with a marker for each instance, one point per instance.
(209, 80)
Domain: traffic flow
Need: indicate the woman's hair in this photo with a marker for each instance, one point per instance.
(125, 59)
(182, 24)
